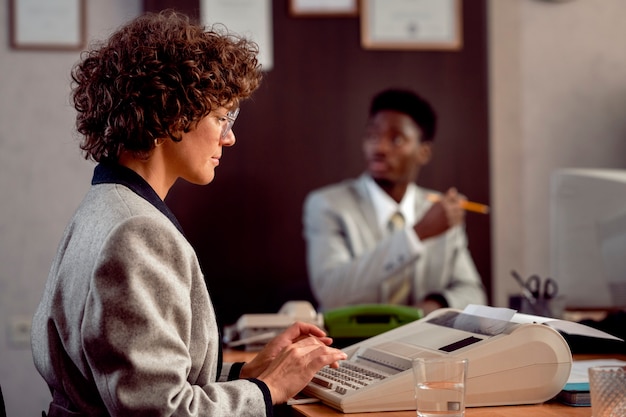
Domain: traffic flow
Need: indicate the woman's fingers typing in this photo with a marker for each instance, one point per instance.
(296, 365)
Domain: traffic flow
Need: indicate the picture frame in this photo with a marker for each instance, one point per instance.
(324, 8)
(412, 25)
(250, 18)
(47, 24)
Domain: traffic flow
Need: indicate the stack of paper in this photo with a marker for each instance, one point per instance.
(576, 390)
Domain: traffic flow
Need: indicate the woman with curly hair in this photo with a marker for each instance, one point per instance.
(126, 326)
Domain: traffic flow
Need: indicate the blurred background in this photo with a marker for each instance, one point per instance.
(536, 86)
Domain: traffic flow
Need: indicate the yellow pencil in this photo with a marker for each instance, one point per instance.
(467, 205)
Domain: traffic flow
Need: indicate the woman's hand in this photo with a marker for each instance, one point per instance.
(291, 359)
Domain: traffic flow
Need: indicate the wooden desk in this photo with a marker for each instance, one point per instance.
(548, 409)
(539, 410)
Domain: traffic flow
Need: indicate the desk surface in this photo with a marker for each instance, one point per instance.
(549, 409)
(539, 410)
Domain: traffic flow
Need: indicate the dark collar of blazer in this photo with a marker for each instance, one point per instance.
(110, 173)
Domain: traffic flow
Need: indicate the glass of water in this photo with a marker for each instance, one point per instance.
(607, 385)
(440, 386)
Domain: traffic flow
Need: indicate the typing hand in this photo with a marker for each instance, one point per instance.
(292, 334)
(299, 333)
(296, 364)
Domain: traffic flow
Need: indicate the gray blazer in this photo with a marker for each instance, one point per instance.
(125, 326)
(349, 257)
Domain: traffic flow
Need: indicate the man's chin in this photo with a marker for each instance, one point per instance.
(383, 182)
(378, 171)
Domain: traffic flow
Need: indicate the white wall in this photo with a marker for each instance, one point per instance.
(42, 179)
(558, 97)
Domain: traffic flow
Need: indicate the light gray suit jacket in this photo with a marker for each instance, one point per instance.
(349, 257)
(125, 326)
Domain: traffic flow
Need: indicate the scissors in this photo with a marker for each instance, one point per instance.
(547, 291)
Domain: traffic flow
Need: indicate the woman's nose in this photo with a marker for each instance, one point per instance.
(229, 139)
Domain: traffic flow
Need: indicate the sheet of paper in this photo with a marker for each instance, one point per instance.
(565, 326)
(497, 313)
(579, 372)
(507, 314)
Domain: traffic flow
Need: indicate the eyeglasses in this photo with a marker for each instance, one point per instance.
(395, 139)
(231, 116)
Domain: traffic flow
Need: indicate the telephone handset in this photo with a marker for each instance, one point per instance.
(366, 320)
(253, 331)
(299, 310)
(344, 324)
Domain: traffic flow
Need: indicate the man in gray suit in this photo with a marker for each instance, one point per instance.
(380, 238)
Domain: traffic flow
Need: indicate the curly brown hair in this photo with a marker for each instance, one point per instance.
(156, 77)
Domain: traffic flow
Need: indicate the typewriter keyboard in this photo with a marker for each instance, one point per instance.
(348, 376)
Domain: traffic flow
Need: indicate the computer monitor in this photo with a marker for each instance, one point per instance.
(588, 236)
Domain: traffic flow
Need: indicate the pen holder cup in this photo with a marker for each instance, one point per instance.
(545, 307)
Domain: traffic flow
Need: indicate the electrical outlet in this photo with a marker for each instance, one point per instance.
(19, 332)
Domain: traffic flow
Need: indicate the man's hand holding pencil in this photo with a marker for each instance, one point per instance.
(448, 210)
(465, 204)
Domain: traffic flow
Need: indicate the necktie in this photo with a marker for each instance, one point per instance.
(396, 289)
(396, 222)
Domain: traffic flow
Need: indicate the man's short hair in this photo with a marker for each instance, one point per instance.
(409, 103)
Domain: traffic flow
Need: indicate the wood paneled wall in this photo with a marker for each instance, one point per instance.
(302, 129)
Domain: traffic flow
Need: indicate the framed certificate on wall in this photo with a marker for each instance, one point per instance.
(323, 8)
(47, 24)
(249, 18)
(411, 24)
